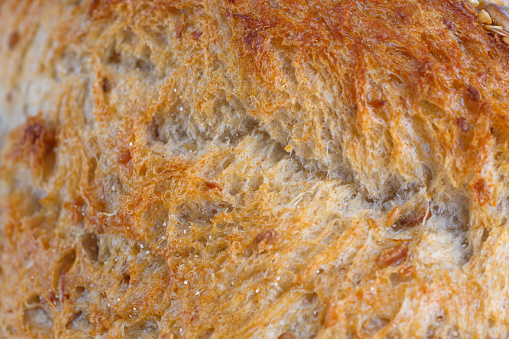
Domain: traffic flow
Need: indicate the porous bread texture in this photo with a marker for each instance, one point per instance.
(243, 169)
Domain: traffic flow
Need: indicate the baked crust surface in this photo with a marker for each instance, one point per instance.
(242, 169)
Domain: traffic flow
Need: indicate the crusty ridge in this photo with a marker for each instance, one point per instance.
(248, 168)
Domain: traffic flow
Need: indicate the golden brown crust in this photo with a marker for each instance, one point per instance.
(209, 169)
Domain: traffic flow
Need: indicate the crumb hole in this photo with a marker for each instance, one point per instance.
(206, 334)
(92, 166)
(37, 321)
(144, 329)
(63, 265)
(90, 242)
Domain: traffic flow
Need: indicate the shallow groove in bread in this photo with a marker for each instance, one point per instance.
(247, 169)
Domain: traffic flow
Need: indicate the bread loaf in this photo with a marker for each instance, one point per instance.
(252, 169)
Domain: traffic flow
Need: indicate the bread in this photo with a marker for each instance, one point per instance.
(252, 169)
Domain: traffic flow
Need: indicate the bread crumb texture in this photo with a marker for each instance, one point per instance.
(252, 169)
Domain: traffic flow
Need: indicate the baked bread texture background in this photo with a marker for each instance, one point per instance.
(252, 169)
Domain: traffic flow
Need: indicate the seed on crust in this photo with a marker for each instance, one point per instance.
(411, 219)
(474, 2)
(392, 217)
(492, 27)
(212, 185)
(378, 103)
(483, 3)
(505, 40)
(393, 255)
(499, 30)
(484, 17)
(372, 223)
(497, 14)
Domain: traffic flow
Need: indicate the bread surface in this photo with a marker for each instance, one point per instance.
(251, 169)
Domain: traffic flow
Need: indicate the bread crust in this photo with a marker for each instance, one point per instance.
(244, 169)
